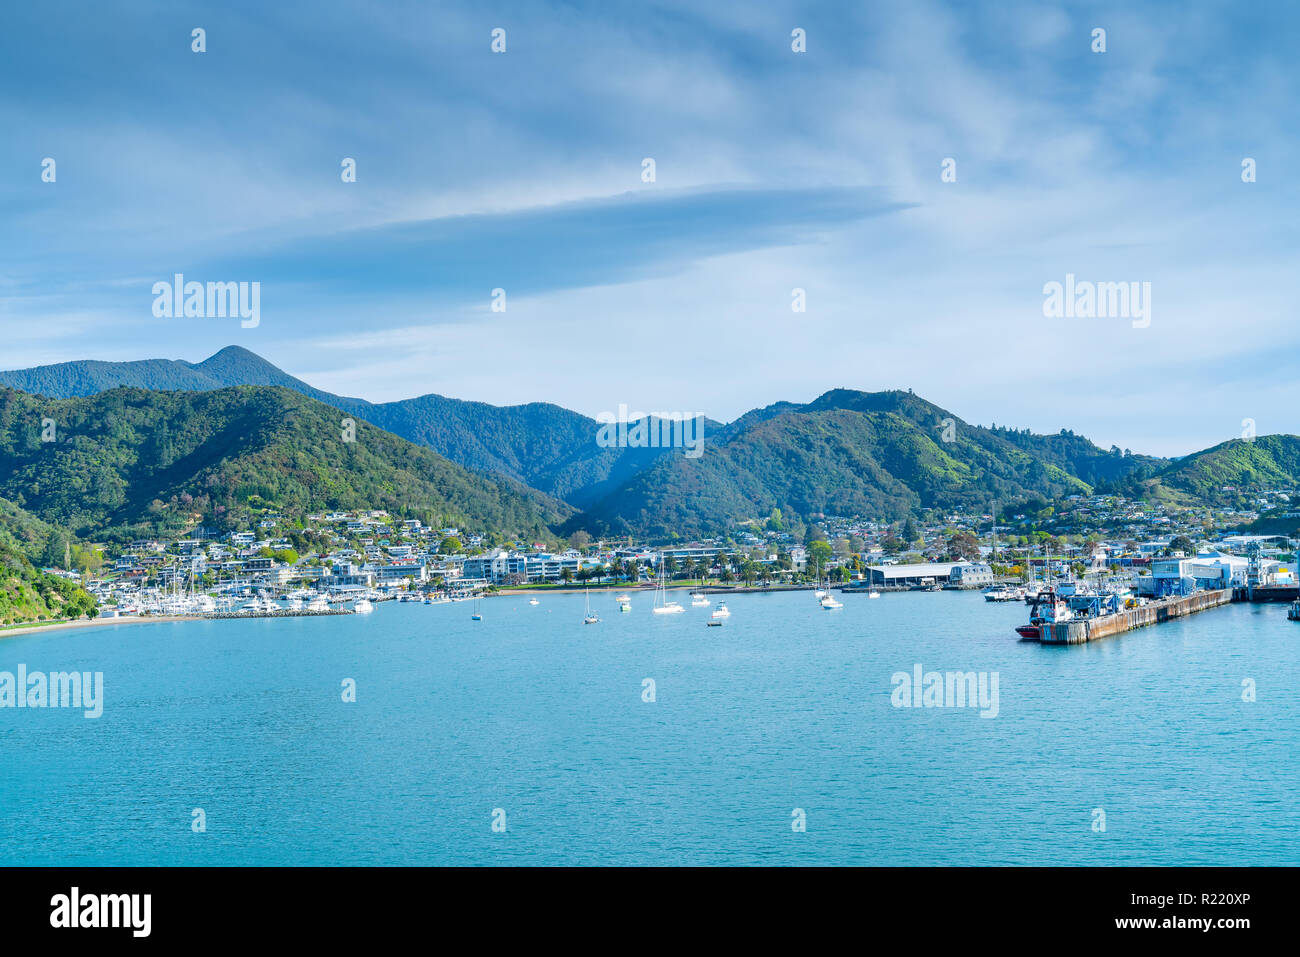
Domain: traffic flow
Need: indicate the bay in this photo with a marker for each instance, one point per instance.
(531, 713)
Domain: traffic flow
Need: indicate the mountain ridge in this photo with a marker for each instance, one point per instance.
(884, 454)
(135, 461)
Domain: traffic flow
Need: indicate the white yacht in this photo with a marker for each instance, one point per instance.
(362, 606)
(662, 605)
(699, 601)
(829, 602)
(722, 611)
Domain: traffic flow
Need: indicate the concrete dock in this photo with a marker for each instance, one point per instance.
(277, 613)
(1091, 629)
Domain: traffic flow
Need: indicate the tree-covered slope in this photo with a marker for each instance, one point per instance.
(27, 594)
(545, 446)
(868, 454)
(1268, 461)
(132, 461)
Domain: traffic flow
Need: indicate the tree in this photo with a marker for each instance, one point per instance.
(56, 547)
(87, 560)
(579, 539)
(819, 553)
(963, 546)
(910, 534)
(1183, 544)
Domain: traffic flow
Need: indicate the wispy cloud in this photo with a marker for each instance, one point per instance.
(774, 170)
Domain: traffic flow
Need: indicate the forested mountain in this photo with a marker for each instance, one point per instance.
(545, 446)
(130, 462)
(1226, 473)
(874, 454)
(884, 454)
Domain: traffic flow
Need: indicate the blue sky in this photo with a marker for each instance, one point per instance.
(774, 170)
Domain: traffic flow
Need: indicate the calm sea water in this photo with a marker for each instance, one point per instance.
(531, 712)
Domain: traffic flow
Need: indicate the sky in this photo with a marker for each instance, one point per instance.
(774, 170)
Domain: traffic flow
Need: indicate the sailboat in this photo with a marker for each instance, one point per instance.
(591, 618)
(476, 616)
(662, 605)
(699, 601)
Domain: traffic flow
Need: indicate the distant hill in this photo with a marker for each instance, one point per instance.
(1268, 461)
(545, 446)
(883, 454)
(233, 365)
(880, 454)
(130, 462)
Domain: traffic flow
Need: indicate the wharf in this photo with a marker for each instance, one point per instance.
(1081, 630)
(278, 613)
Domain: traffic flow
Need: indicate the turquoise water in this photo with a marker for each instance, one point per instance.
(529, 711)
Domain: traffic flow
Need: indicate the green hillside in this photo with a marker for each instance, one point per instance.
(26, 594)
(545, 446)
(1268, 461)
(131, 462)
(870, 454)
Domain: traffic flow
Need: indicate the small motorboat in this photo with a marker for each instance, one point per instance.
(362, 606)
(533, 601)
(722, 611)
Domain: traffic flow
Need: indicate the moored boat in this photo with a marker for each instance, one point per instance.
(1049, 608)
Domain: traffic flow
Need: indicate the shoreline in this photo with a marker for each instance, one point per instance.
(38, 627)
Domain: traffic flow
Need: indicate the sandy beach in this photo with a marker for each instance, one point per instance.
(10, 632)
